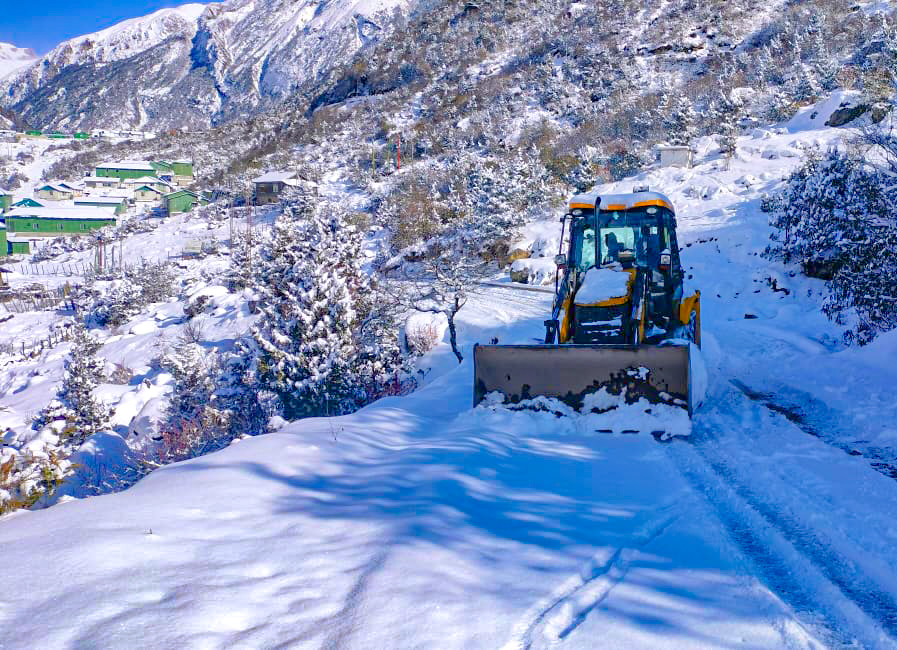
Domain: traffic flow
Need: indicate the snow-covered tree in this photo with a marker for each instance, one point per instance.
(195, 370)
(76, 413)
(84, 370)
(114, 298)
(311, 287)
(835, 219)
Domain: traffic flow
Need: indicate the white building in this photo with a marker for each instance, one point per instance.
(674, 155)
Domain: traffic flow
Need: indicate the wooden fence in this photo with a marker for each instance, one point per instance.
(39, 300)
(32, 348)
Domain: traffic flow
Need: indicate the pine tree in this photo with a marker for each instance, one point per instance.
(75, 404)
(310, 285)
(681, 121)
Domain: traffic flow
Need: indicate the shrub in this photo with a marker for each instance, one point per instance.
(835, 220)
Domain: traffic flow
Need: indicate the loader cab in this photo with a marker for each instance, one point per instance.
(638, 233)
(638, 238)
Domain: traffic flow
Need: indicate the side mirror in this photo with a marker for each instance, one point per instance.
(560, 260)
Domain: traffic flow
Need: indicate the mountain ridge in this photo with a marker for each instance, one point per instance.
(194, 65)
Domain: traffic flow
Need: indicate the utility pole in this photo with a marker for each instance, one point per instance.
(398, 151)
(249, 236)
(230, 213)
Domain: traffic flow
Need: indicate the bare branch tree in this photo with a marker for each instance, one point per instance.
(444, 289)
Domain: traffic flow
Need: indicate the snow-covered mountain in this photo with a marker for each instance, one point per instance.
(195, 64)
(13, 59)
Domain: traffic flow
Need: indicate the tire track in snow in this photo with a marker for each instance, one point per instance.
(569, 604)
(794, 559)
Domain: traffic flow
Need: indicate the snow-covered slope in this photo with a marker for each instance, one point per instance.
(422, 522)
(13, 59)
(193, 64)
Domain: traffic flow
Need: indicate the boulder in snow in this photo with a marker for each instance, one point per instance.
(535, 270)
(146, 424)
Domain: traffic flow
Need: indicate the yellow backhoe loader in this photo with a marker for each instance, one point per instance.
(621, 320)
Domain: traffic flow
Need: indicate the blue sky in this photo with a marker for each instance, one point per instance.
(42, 24)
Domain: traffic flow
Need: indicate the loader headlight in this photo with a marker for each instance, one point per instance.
(577, 213)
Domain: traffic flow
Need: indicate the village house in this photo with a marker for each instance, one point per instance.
(5, 204)
(151, 181)
(180, 201)
(11, 245)
(271, 185)
(126, 169)
(146, 193)
(102, 182)
(54, 192)
(674, 155)
(53, 222)
(183, 172)
(76, 188)
(116, 204)
(19, 244)
(28, 202)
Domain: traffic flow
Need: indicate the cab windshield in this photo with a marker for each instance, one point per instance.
(632, 238)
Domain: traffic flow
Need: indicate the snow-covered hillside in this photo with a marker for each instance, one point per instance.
(194, 64)
(13, 59)
(420, 521)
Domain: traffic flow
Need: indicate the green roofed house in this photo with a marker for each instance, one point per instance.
(29, 203)
(162, 166)
(81, 135)
(183, 168)
(180, 201)
(126, 169)
(116, 204)
(53, 222)
(147, 193)
(33, 133)
(3, 244)
(180, 170)
(53, 192)
(5, 204)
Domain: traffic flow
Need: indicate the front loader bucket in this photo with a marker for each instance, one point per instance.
(661, 374)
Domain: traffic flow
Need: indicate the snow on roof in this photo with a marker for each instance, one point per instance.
(148, 187)
(111, 200)
(54, 187)
(143, 180)
(79, 212)
(275, 177)
(137, 165)
(72, 185)
(111, 180)
(619, 201)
